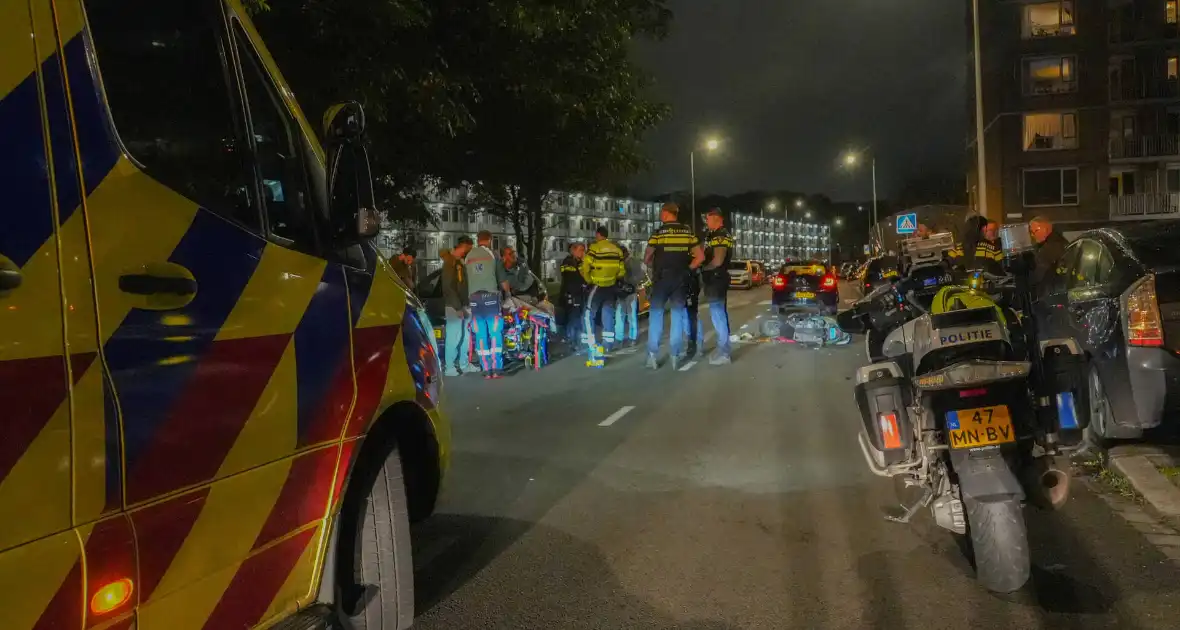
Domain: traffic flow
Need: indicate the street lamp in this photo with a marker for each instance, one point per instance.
(710, 145)
(770, 205)
(851, 160)
(839, 221)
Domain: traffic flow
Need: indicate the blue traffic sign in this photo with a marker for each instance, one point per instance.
(907, 223)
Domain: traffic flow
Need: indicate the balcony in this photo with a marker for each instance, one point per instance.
(1145, 147)
(1144, 89)
(1145, 206)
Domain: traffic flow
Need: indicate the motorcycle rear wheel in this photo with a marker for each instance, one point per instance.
(999, 541)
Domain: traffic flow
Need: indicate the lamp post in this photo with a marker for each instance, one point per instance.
(772, 206)
(981, 175)
(851, 160)
(710, 145)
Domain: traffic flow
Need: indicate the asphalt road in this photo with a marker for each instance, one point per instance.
(725, 498)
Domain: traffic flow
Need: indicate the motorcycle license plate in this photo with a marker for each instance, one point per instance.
(438, 333)
(804, 295)
(983, 426)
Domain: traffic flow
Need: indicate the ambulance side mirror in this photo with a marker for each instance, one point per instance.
(352, 205)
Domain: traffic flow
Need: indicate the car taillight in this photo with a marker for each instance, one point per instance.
(829, 283)
(779, 282)
(1141, 314)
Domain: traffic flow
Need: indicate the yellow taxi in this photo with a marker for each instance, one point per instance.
(220, 407)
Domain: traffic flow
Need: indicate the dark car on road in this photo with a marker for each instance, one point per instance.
(1117, 292)
(806, 285)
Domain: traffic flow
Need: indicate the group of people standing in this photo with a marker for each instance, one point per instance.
(600, 285)
(598, 304)
(475, 279)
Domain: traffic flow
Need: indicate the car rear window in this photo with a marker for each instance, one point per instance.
(737, 265)
(1154, 246)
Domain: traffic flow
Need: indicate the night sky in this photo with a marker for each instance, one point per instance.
(789, 84)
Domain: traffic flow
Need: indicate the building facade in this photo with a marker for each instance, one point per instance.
(774, 241)
(1081, 110)
(574, 217)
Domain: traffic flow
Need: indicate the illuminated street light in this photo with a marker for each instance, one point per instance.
(851, 160)
(710, 145)
(799, 203)
(839, 221)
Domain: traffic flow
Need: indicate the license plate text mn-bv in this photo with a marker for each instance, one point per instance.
(984, 426)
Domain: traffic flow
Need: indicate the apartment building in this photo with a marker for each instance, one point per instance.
(569, 217)
(1081, 110)
(776, 240)
(573, 217)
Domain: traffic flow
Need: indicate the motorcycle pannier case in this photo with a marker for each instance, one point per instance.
(883, 402)
(1065, 369)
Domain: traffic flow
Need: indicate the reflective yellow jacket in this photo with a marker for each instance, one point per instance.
(603, 263)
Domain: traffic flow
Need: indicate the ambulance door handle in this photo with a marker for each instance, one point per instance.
(9, 279)
(145, 284)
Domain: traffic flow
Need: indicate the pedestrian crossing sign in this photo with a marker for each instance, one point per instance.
(907, 223)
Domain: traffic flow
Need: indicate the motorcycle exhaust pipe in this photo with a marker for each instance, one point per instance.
(1048, 481)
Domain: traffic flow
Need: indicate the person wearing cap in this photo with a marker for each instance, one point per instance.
(673, 252)
(715, 282)
(602, 268)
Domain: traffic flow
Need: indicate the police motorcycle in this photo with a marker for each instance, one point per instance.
(974, 411)
(923, 267)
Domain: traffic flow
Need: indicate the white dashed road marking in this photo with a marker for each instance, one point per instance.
(614, 417)
(687, 366)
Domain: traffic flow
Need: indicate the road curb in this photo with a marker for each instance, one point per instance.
(1147, 480)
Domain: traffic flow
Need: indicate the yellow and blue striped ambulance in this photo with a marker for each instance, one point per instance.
(219, 408)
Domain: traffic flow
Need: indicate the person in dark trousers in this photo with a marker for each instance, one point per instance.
(673, 252)
(455, 299)
(692, 305)
(715, 283)
(572, 296)
(403, 266)
(1050, 247)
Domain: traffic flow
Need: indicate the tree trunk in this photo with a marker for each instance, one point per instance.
(516, 218)
(534, 211)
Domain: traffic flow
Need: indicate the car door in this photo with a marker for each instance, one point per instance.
(226, 333)
(39, 551)
(1091, 311)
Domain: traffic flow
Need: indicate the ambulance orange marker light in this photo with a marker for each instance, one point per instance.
(111, 596)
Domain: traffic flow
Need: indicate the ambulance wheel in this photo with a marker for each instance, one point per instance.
(377, 519)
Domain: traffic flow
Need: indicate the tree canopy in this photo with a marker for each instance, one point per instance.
(519, 96)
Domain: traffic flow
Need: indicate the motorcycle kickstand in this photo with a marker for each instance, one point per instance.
(913, 509)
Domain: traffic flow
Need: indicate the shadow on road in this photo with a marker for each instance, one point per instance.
(579, 591)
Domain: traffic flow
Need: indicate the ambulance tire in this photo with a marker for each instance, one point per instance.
(382, 560)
